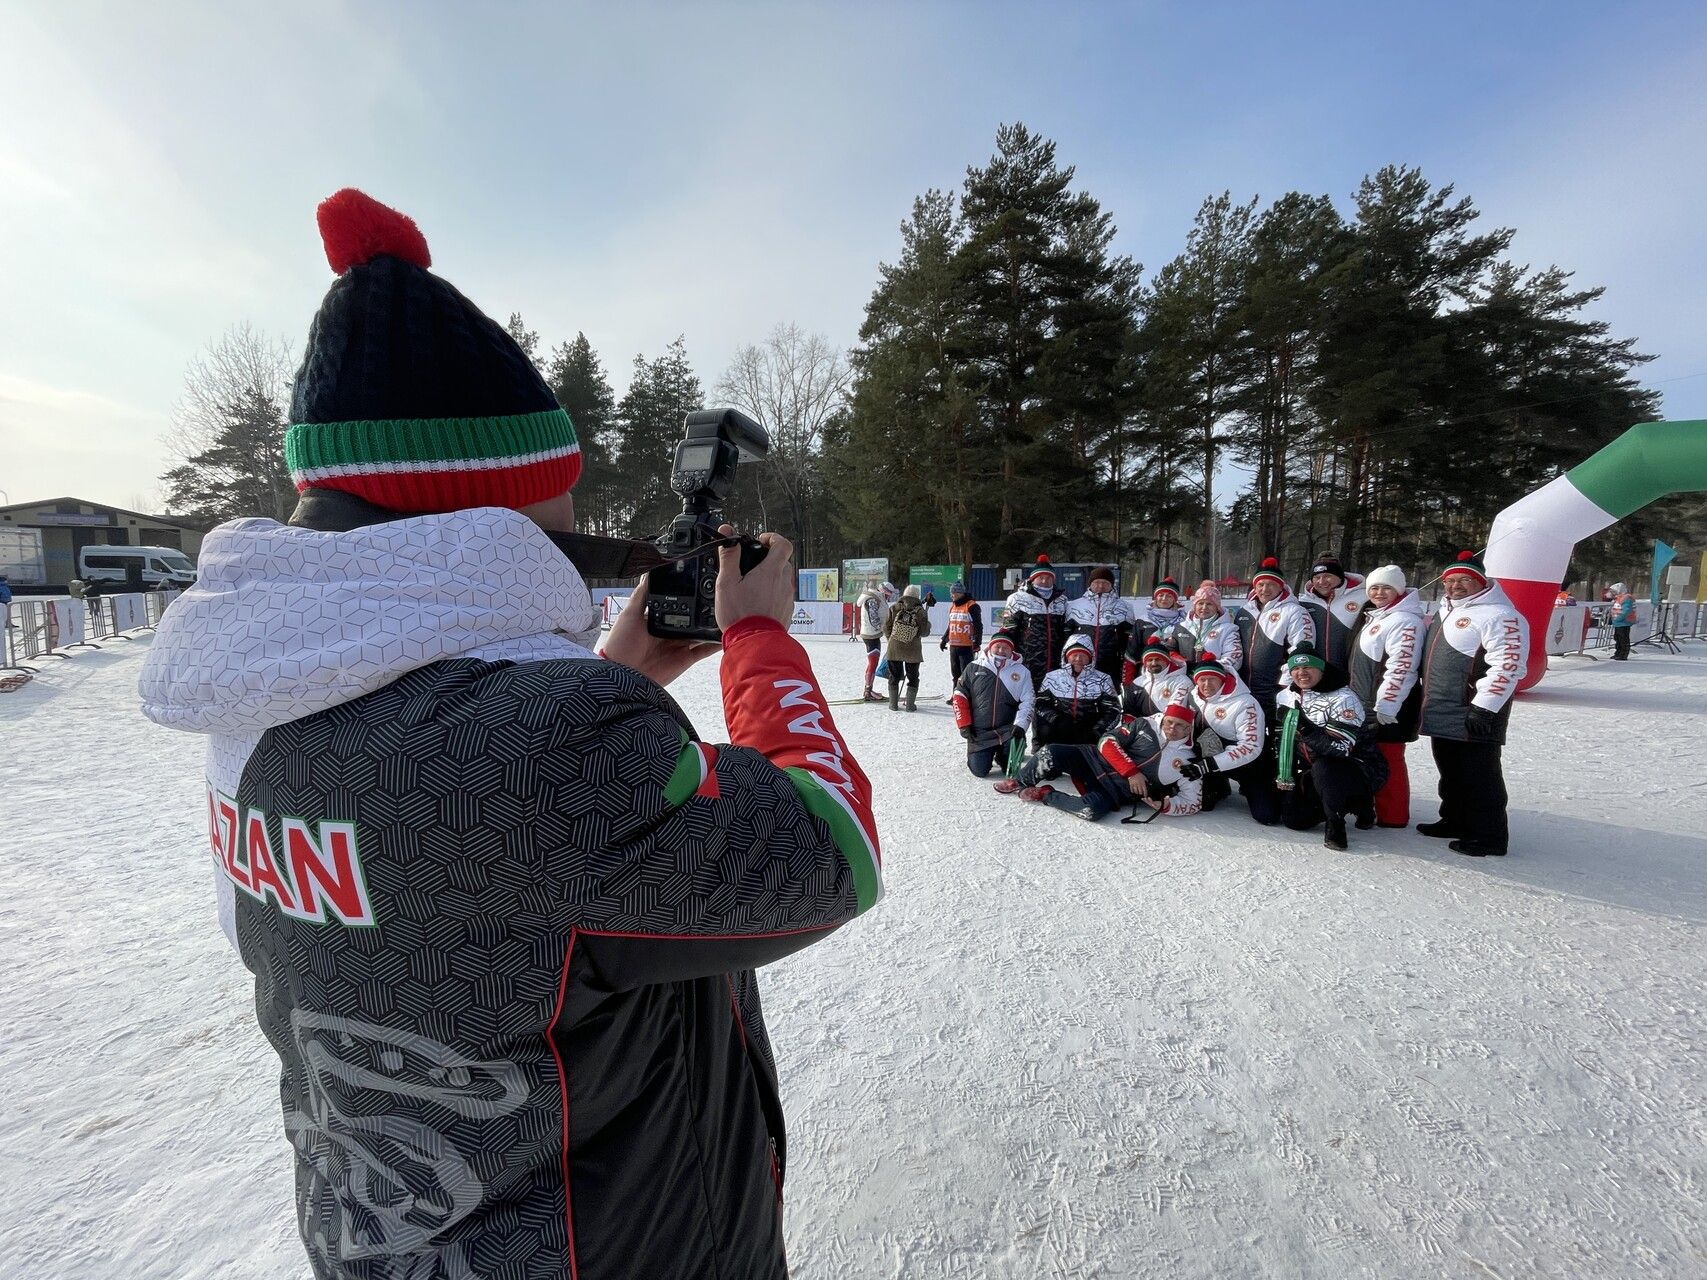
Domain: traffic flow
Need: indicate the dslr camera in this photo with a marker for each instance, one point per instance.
(680, 596)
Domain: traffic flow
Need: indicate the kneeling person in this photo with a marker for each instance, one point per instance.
(1341, 767)
(993, 702)
(1141, 762)
(1077, 703)
(1234, 745)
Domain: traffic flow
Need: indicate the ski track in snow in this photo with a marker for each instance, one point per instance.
(1191, 1049)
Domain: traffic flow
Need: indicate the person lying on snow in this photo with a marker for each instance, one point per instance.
(1140, 763)
(1160, 680)
(1077, 703)
(1337, 767)
(993, 702)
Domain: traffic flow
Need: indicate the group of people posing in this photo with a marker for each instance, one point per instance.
(1305, 702)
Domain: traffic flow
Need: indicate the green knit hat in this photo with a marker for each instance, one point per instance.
(409, 395)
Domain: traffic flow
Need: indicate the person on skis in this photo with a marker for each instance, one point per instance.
(1334, 599)
(1474, 658)
(993, 703)
(1160, 680)
(1280, 624)
(1077, 703)
(870, 611)
(1235, 747)
(1336, 767)
(503, 906)
(1386, 652)
(1209, 628)
(1038, 614)
(1104, 617)
(964, 634)
(1142, 762)
(905, 627)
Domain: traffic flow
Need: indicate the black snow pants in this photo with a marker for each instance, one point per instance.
(959, 658)
(1621, 644)
(1472, 791)
(1330, 785)
(1256, 784)
(1079, 764)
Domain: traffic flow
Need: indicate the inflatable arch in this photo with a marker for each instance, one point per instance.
(1529, 547)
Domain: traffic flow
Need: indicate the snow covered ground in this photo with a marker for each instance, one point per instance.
(1189, 1049)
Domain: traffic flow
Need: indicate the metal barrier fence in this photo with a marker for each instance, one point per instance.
(38, 629)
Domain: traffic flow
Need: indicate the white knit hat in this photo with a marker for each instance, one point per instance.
(1388, 575)
(912, 592)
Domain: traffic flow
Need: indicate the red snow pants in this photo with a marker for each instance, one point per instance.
(1393, 801)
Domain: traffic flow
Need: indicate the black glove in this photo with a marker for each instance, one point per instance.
(967, 733)
(1195, 769)
(1314, 736)
(944, 645)
(1481, 724)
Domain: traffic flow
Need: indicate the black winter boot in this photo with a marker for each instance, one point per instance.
(912, 696)
(894, 695)
(1334, 836)
(1471, 849)
(1439, 830)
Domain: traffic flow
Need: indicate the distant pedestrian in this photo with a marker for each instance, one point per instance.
(964, 635)
(1621, 617)
(905, 628)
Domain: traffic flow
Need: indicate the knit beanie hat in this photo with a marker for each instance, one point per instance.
(1207, 590)
(1467, 562)
(1166, 584)
(1102, 573)
(1305, 655)
(1179, 711)
(1388, 575)
(1080, 643)
(409, 396)
(1042, 566)
(1008, 635)
(958, 589)
(1205, 661)
(1270, 568)
(1158, 646)
(1328, 564)
(912, 592)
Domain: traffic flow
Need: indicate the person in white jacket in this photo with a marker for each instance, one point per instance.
(1142, 762)
(1159, 682)
(1281, 625)
(993, 703)
(870, 610)
(1334, 600)
(1209, 628)
(1236, 748)
(1474, 658)
(1386, 652)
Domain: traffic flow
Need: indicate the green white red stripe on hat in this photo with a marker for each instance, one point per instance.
(418, 464)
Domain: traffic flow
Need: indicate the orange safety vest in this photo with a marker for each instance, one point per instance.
(960, 625)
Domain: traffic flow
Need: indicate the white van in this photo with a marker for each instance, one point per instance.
(153, 568)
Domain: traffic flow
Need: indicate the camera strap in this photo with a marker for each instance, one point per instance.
(595, 556)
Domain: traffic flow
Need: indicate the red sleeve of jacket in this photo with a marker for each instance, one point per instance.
(772, 703)
(1121, 762)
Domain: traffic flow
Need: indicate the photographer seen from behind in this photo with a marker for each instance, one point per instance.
(501, 904)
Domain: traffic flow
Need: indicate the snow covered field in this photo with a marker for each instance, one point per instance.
(1189, 1049)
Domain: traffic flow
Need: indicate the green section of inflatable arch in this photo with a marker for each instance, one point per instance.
(1648, 462)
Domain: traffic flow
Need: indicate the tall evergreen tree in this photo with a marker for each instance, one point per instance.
(1199, 360)
(577, 379)
(649, 422)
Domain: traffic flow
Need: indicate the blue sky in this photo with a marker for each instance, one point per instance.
(640, 171)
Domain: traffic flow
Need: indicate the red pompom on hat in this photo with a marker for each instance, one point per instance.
(356, 228)
(1042, 566)
(1468, 562)
(1270, 568)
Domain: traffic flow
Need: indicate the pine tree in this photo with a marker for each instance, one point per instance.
(526, 338)
(242, 472)
(1199, 361)
(649, 424)
(577, 379)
